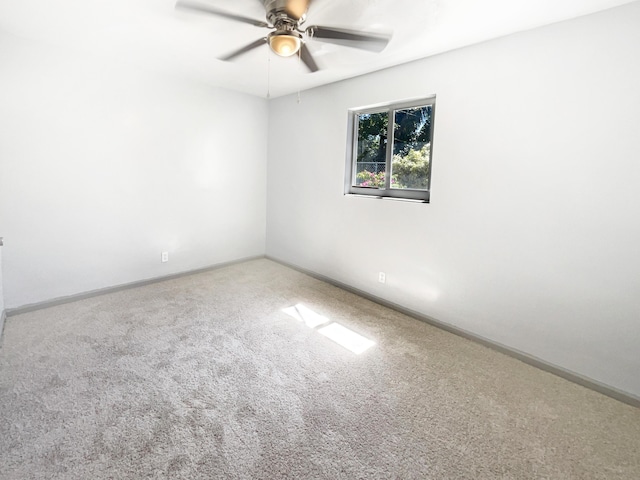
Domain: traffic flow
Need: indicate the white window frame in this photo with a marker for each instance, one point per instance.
(352, 147)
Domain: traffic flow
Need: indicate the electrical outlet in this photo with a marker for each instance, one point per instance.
(382, 277)
(165, 257)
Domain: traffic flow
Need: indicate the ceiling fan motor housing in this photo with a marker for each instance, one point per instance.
(293, 11)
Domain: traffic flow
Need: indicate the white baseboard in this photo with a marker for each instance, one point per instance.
(10, 312)
(3, 317)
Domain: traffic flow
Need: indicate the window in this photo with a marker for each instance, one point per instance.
(389, 150)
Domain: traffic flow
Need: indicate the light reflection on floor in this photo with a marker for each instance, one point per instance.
(306, 315)
(338, 333)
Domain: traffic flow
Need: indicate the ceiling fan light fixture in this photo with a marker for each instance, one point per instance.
(284, 43)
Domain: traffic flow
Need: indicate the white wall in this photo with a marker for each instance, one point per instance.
(531, 238)
(102, 167)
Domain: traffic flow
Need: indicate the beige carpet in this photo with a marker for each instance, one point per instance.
(208, 377)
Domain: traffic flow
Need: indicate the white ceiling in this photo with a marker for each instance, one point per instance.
(153, 35)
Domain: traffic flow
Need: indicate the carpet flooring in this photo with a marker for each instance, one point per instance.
(235, 374)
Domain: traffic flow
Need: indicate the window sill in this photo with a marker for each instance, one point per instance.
(380, 197)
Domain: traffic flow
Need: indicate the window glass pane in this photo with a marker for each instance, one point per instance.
(371, 150)
(411, 148)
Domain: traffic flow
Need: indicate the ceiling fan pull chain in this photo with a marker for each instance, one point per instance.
(268, 73)
(299, 68)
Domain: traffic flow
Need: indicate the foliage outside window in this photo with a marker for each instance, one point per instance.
(389, 150)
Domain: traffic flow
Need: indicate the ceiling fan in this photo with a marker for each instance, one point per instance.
(287, 37)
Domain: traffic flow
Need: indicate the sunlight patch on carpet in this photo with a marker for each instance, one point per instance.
(304, 314)
(338, 333)
(347, 338)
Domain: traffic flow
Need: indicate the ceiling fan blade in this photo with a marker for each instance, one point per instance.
(375, 42)
(297, 8)
(187, 5)
(244, 49)
(307, 58)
